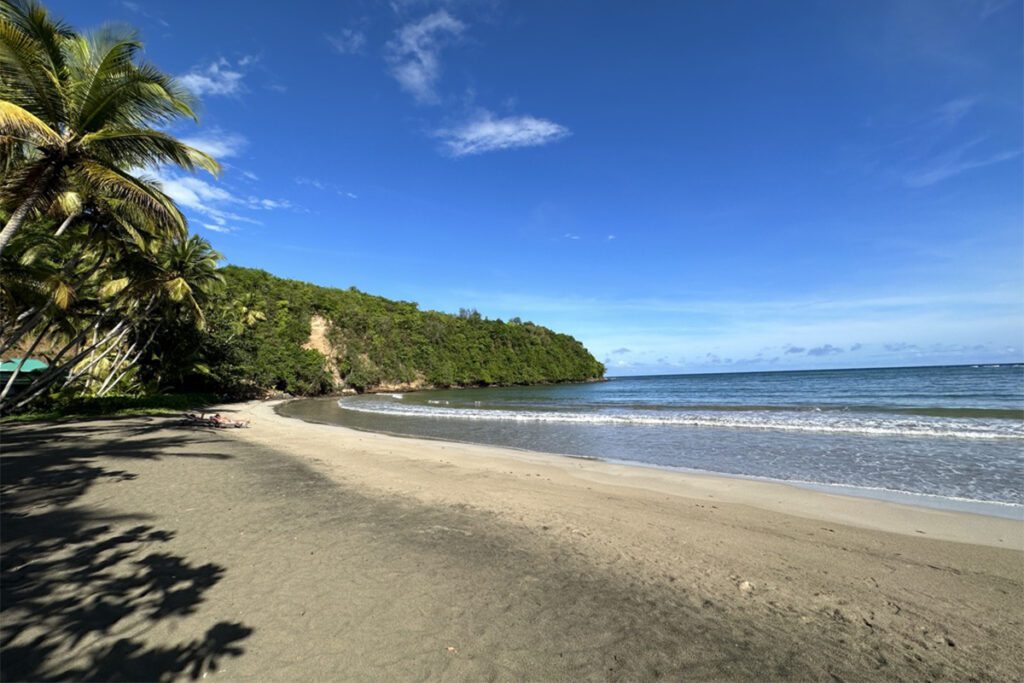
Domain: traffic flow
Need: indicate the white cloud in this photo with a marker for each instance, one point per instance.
(952, 112)
(312, 182)
(348, 41)
(193, 193)
(219, 78)
(259, 203)
(953, 163)
(414, 53)
(135, 8)
(216, 204)
(485, 133)
(217, 143)
(325, 187)
(218, 228)
(250, 175)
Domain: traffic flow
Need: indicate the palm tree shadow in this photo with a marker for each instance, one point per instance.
(79, 590)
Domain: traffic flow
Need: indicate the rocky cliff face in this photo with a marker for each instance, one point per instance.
(319, 341)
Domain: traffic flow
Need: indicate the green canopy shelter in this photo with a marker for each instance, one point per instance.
(29, 369)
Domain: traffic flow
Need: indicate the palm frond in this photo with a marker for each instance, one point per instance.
(62, 293)
(18, 122)
(115, 286)
(141, 96)
(101, 62)
(142, 147)
(120, 185)
(32, 61)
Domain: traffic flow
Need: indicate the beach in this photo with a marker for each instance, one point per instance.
(140, 549)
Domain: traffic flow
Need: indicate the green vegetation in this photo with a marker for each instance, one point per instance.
(116, 406)
(255, 343)
(99, 276)
(95, 260)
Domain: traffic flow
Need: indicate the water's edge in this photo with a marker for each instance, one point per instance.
(953, 504)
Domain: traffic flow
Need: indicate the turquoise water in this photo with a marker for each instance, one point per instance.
(950, 432)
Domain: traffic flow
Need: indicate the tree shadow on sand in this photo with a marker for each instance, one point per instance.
(81, 591)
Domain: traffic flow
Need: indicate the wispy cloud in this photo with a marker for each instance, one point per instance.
(487, 133)
(621, 350)
(217, 207)
(325, 186)
(991, 7)
(219, 78)
(414, 53)
(218, 143)
(951, 113)
(955, 162)
(264, 203)
(208, 200)
(135, 8)
(218, 228)
(348, 41)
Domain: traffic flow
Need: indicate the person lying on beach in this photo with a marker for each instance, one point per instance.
(217, 420)
(220, 421)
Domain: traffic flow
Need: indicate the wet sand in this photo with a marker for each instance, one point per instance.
(139, 549)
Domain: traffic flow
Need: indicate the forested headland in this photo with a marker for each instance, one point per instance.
(304, 339)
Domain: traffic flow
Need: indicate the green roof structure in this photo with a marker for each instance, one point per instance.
(31, 365)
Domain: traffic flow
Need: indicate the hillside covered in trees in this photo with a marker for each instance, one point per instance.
(272, 333)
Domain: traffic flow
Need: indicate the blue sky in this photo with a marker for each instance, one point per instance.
(683, 186)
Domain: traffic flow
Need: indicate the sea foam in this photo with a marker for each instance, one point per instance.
(811, 421)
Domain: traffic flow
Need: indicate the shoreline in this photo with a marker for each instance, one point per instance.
(984, 508)
(768, 495)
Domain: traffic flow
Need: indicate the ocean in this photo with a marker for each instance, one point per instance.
(950, 437)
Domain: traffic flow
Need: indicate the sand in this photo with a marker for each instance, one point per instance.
(139, 549)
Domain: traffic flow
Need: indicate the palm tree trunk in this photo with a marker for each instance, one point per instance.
(93, 358)
(21, 364)
(21, 331)
(115, 365)
(67, 221)
(107, 385)
(41, 384)
(21, 213)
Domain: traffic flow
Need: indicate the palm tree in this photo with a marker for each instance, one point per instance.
(81, 114)
(177, 282)
(122, 296)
